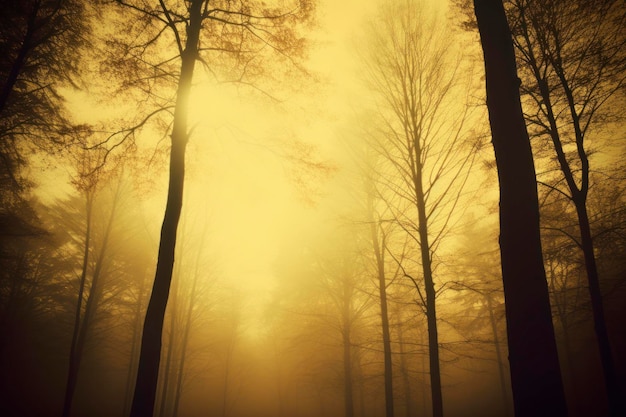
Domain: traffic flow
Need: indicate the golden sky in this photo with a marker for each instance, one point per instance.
(238, 178)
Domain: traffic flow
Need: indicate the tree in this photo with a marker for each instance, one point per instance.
(210, 33)
(96, 239)
(535, 373)
(40, 45)
(421, 135)
(379, 247)
(573, 61)
(325, 288)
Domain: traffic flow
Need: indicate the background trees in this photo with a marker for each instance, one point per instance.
(39, 46)
(574, 58)
(40, 43)
(290, 302)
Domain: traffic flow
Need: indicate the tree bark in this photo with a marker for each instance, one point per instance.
(166, 371)
(147, 375)
(535, 373)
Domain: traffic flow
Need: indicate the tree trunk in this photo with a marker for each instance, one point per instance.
(382, 289)
(616, 401)
(147, 375)
(187, 328)
(429, 287)
(72, 372)
(579, 198)
(404, 370)
(91, 304)
(347, 351)
(535, 374)
(171, 347)
(347, 373)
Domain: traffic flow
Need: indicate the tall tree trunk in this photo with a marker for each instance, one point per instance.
(70, 385)
(361, 387)
(187, 326)
(579, 198)
(429, 287)
(384, 315)
(578, 195)
(347, 373)
(535, 373)
(147, 375)
(171, 347)
(617, 405)
(183, 351)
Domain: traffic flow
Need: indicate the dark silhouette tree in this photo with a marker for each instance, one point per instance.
(573, 61)
(535, 373)
(40, 49)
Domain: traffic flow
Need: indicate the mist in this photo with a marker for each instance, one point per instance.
(294, 209)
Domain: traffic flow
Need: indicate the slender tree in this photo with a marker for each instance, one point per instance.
(422, 139)
(213, 32)
(378, 238)
(535, 373)
(379, 253)
(99, 251)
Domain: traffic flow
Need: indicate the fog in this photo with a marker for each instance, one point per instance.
(327, 209)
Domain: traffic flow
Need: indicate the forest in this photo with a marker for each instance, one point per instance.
(312, 208)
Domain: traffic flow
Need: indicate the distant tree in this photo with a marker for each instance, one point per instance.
(216, 34)
(481, 305)
(24, 271)
(95, 242)
(379, 228)
(340, 281)
(379, 246)
(33, 294)
(326, 286)
(535, 372)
